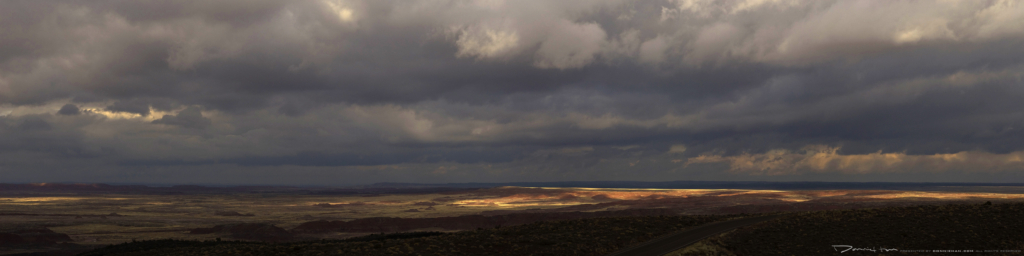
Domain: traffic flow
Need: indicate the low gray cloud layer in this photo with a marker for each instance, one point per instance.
(352, 91)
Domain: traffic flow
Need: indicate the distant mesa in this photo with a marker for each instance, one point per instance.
(232, 213)
(412, 210)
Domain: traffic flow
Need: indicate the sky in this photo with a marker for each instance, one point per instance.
(329, 92)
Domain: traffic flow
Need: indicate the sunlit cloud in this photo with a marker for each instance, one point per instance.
(820, 158)
(344, 14)
(486, 43)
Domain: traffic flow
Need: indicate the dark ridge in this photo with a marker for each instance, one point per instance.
(233, 213)
(386, 236)
(248, 231)
(138, 246)
(31, 236)
(466, 222)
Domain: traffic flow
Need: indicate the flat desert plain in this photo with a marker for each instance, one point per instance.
(93, 215)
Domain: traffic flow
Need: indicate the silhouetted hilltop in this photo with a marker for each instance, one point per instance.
(31, 236)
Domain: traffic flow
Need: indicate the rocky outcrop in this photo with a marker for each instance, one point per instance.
(248, 231)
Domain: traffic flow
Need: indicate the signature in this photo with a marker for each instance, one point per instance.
(850, 248)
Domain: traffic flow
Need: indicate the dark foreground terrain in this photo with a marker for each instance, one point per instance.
(596, 236)
(964, 228)
(67, 219)
(923, 230)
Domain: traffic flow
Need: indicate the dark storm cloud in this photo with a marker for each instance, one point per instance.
(466, 90)
(44, 136)
(190, 117)
(69, 110)
(458, 156)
